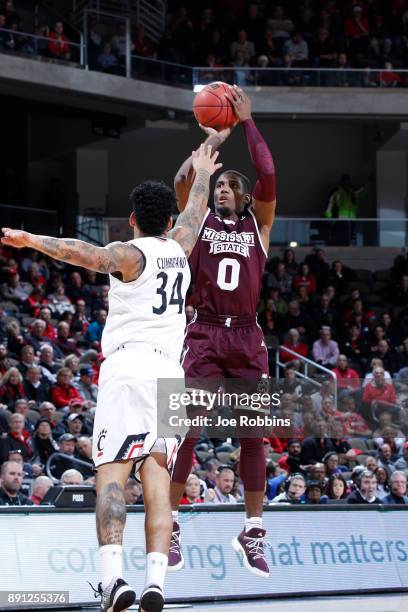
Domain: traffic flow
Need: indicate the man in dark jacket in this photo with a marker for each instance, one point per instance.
(366, 493)
(398, 484)
(11, 481)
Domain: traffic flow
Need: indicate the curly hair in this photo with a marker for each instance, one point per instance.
(153, 203)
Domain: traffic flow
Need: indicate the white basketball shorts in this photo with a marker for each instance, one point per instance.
(125, 425)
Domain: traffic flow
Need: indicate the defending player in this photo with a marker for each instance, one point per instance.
(144, 333)
(224, 338)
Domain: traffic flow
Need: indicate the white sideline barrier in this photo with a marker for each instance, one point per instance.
(311, 551)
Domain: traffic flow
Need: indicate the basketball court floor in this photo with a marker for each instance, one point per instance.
(369, 603)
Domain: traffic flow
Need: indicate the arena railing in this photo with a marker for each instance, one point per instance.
(196, 77)
(310, 368)
(32, 45)
(314, 231)
(70, 458)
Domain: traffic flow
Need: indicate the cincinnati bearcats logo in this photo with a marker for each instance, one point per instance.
(101, 437)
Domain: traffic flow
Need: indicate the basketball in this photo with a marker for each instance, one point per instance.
(212, 108)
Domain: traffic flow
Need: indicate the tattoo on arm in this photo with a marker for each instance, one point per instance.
(110, 514)
(116, 257)
(189, 221)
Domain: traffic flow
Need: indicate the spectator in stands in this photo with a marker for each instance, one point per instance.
(95, 329)
(290, 462)
(389, 77)
(289, 259)
(355, 348)
(280, 279)
(19, 437)
(387, 356)
(192, 491)
(75, 425)
(39, 489)
(72, 477)
(58, 47)
(398, 486)
(324, 50)
(44, 444)
(85, 386)
(325, 350)
(402, 463)
(354, 423)
(379, 394)
(5, 361)
(304, 278)
(72, 363)
(133, 493)
(336, 487)
(64, 344)
(384, 459)
(64, 391)
(399, 295)
(59, 302)
(314, 493)
(12, 388)
(14, 290)
(280, 25)
(48, 365)
(3, 35)
(182, 36)
(27, 359)
(107, 61)
(295, 487)
(36, 386)
(142, 45)
(325, 314)
(241, 74)
(84, 448)
(357, 31)
(67, 447)
(367, 490)
(11, 480)
(293, 343)
(23, 407)
(296, 319)
(344, 201)
(376, 363)
(268, 49)
(244, 46)
(297, 49)
(211, 471)
(382, 482)
(348, 381)
(315, 447)
(224, 484)
(331, 464)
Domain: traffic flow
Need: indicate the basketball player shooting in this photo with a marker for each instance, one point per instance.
(149, 278)
(224, 339)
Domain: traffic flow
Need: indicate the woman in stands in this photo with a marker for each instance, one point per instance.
(192, 491)
(12, 388)
(336, 487)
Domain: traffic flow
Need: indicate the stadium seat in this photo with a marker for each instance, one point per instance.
(224, 456)
(200, 474)
(9, 306)
(203, 455)
(359, 443)
(361, 459)
(33, 416)
(275, 456)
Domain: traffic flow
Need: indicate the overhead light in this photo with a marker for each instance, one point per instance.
(198, 88)
(293, 244)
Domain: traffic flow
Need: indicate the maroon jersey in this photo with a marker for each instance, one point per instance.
(227, 265)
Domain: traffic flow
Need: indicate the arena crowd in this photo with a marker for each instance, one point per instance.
(350, 444)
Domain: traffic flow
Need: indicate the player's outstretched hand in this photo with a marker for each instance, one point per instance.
(241, 103)
(15, 238)
(205, 159)
(222, 135)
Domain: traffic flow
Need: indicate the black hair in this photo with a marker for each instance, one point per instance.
(152, 203)
(330, 483)
(246, 183)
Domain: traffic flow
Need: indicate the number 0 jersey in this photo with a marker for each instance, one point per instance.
(227, 265)
(151, 308)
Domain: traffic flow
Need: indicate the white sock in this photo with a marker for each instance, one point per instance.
(175, 515)
(110, 561)
(255, 521)
(156, 567)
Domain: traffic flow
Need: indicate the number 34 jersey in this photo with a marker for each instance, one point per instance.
(151, 308)
(227, 265)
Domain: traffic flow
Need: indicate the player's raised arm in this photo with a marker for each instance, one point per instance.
(264, 193)
(116, 257)
(184, 178)
(189, 221)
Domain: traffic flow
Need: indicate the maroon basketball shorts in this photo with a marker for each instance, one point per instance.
(221, 347)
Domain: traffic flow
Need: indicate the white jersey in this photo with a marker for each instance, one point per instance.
(150, 309)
